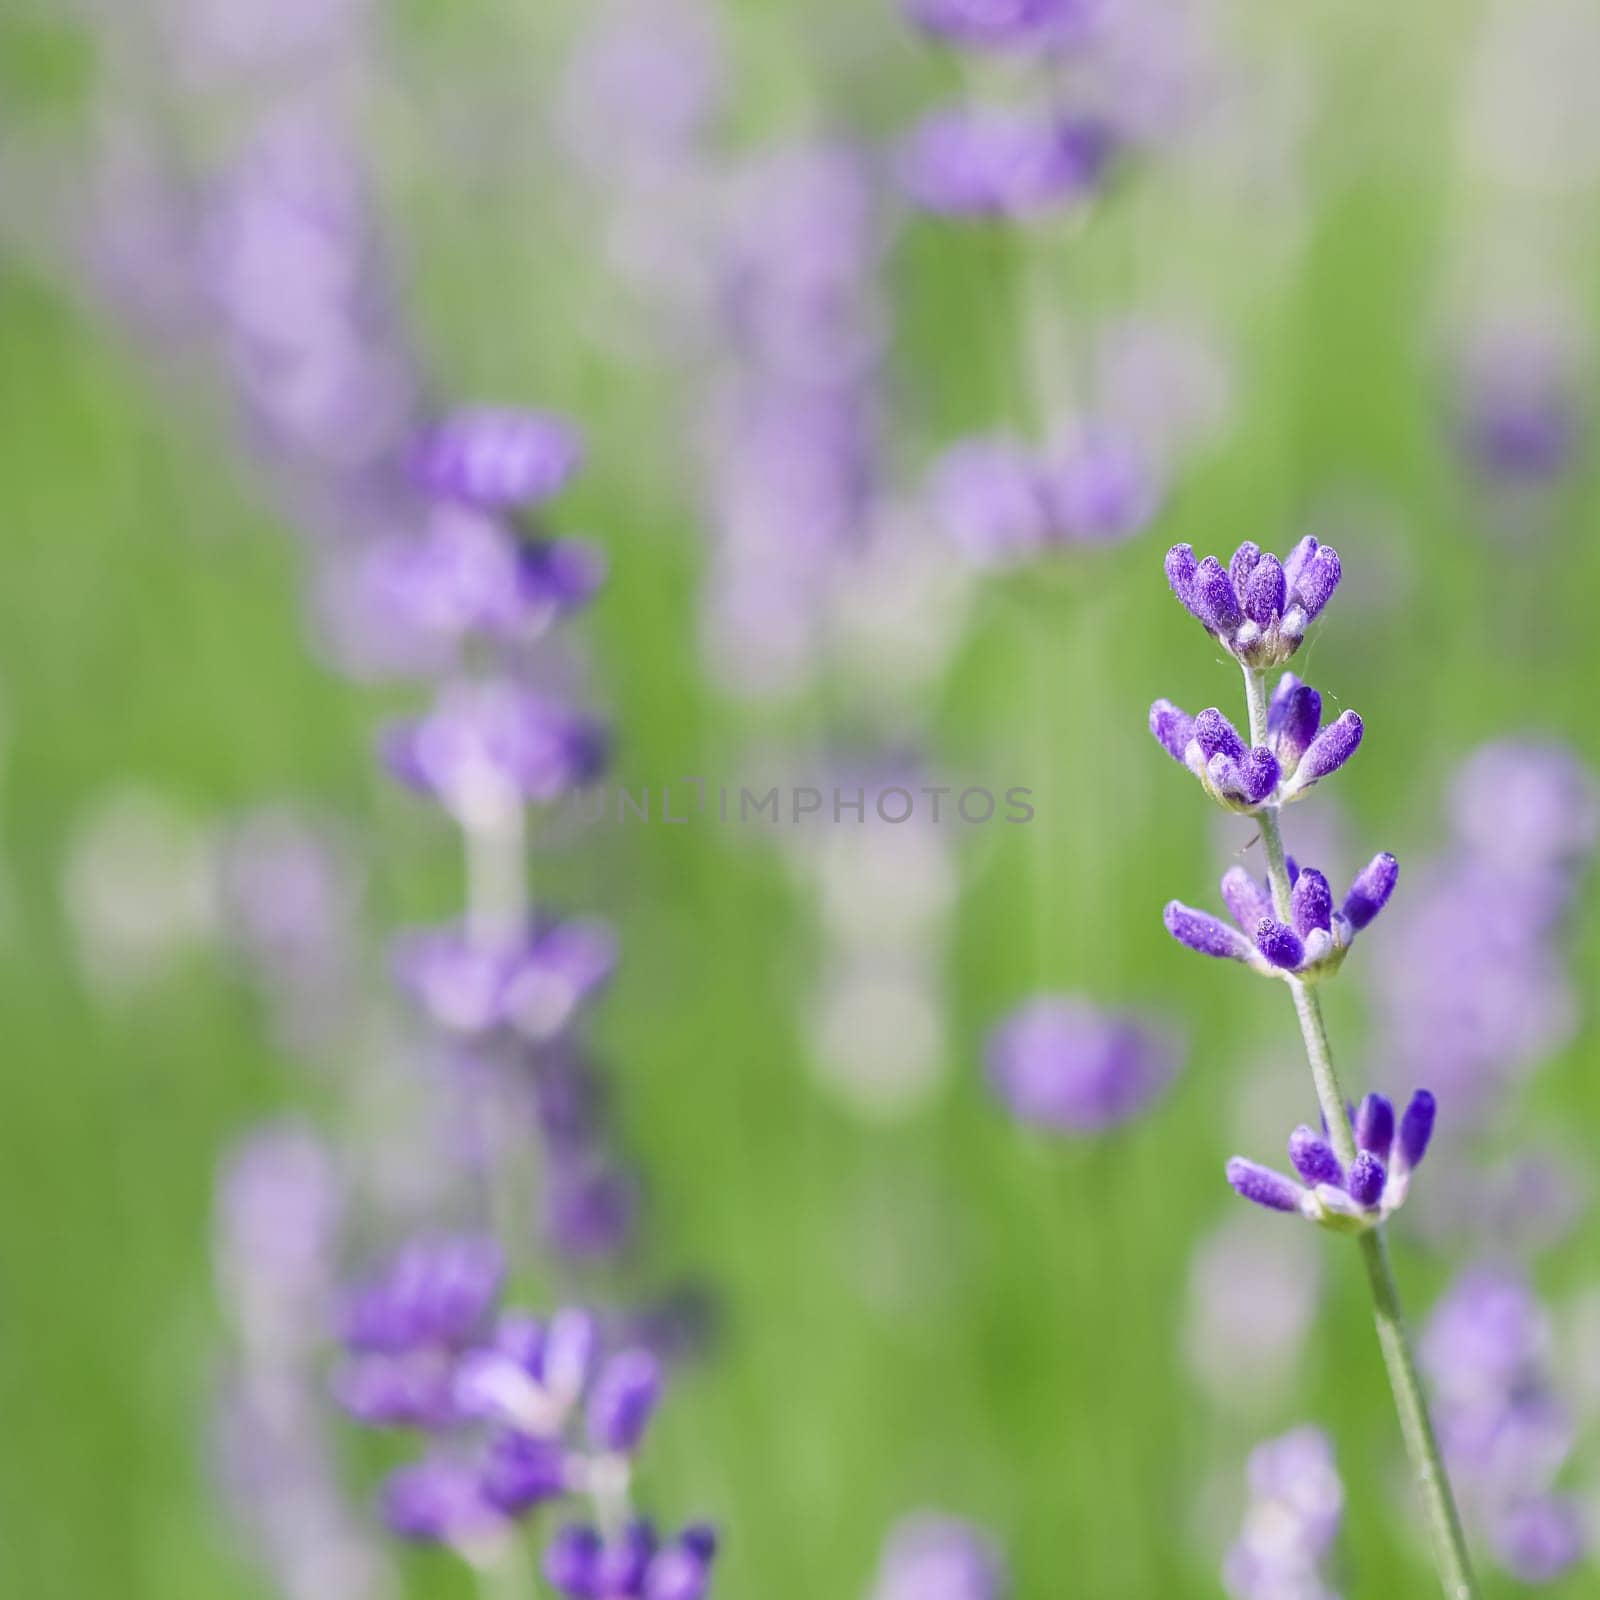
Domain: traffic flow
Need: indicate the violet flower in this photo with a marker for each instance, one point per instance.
(1312, 945)
(1257, 608)
(983, 163)
(1003, 25)
(497, 459)
(581, 1564)
(1061, 1064)
(933, 1557)
(1349, 1199)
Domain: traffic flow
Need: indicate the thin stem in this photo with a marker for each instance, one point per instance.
(1449, 1543)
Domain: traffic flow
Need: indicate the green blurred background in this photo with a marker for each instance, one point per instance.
(941, 1311)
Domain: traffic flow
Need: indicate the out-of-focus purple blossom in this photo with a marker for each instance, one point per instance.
(642, 88)
(590, 1206)
(489, 747)
(1291, 1523)
(535, 983)
(989, 494)
(1505, 1434)
(440, 1500)
(293, 263)
(496, 458)
(987, 163)
(623, 1400)
(582, 1565)
(932, 1557)
(1004, 25)
(1062, 1064)
(1004, 503)
(1349, 1200)
(467, 573)
(1526, 804)
(1101, 488)
(1471, 982)
(1163, 384)
(1519, 411)
(1257, 608)
(280, 1205)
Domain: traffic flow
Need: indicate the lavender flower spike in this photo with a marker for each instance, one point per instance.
(497, 458)
(1257, 608)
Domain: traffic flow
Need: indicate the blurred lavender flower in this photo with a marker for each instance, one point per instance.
(534, 982)
(489, 747)
(1060, 1063)
(1519, 410)
(932, 1557)
(1004, 504)
(1506, 1436)
(1471, 987)
(1006, 25)
(1296, 1507)
(1352, 1200)
(496, 459)
(582, 1565)
(987, 163)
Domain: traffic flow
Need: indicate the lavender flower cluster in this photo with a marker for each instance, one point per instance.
(520, 1413)
(1291, 1523)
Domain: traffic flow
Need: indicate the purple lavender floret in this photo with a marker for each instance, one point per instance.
(984, 163)
(1314, 947)
(439, 1500)
(520, 1471)
(496, 458)
(623, 1400)
(468, 573)
(932, 1557)
(1257, 609)
(1060, 1063)
(1101, 488)
(1003, 25)
(1347, 1201)
(534, 982)
(582, 1565)
(489, 747)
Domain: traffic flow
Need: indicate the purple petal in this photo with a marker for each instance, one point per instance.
(1181, 567)
(1264, 593)
(1314, 1159)
(1279, 944)
(1366, 1179)
(1375, 1126)
(1246, 897)
(1208, 934)
(1173, 728)
(1243, 564)
(1329, 750)
(1213, 599)
(1370, 892)
(1264, 1186)
(1296, 561)
(520, 1472)
(491, 457)
(1217, 736)
(1311, 903)
(1416, 1129)
(1316, 582)
(572, 1561)
(1293, 718)
(623, 1401)
(1259, 774)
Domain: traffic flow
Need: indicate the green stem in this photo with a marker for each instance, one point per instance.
(1449, 1543)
